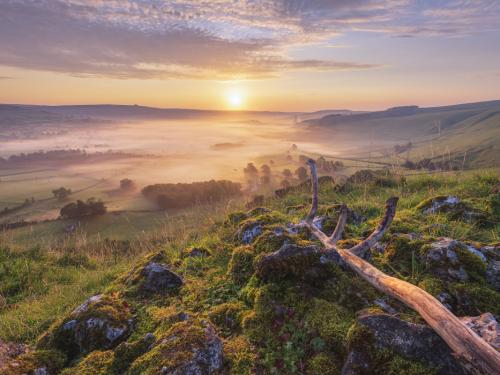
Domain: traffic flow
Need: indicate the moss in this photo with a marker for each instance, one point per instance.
(473, 265)
(330, 321)
(358, 336)
(175, 348)
(427, 203)
(227, 317)
(271, 240)
(96, 363)
(402, 255)
(475, 298)
(236, 217)
(323, 364)
(432, 285)
(240, 266)
(240, 356)
(264, 219)
(398, 365)
(52, 360)
(127, 352)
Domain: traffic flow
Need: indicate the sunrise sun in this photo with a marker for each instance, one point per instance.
(235, 99)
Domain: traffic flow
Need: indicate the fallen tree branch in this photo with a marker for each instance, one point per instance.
(465, 343)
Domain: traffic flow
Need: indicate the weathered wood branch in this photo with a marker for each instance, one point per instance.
(465, 343)
(339, 229)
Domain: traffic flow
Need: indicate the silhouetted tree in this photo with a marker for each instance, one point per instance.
(62, 193)
(287, 173)
(301, 173)
(127, 184)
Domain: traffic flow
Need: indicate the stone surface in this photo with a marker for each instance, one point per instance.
(157, 278)
(444, 259)
(486, 326)
(101, 322)
(356, 364)
(412, 341)
(248, 235)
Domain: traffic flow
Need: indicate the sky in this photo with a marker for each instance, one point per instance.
(286, 55)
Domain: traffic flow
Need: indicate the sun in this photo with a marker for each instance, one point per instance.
(235, 99)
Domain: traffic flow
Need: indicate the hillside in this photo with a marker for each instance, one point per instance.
(207, 301)
(472, 129)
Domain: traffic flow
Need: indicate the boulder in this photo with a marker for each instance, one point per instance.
(443, 258)
(101, 322)
(486, 326)
(188, 348)
(454, 208)
(156, 278)
(413, 341)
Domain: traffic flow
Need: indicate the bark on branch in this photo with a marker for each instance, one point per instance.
(466, 344)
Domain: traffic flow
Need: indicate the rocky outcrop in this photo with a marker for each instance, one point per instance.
(414, 341)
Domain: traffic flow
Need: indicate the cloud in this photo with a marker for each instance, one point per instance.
(202, 39)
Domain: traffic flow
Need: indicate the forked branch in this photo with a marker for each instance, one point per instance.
(466, 344)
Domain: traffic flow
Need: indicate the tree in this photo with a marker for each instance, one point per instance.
(79, 209)
(127, 184)
(251, 175)
(301, 173)
(287, 173)
(62, 193)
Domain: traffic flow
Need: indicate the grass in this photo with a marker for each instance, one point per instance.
(289, 322)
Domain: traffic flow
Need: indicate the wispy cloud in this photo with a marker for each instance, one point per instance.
(200, 39)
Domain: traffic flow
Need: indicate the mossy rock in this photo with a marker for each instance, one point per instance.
(271, 240)
(251, 228)
(153, 278)
(301, 263)
(196, 252)
(475, 298)
(37, 362)
(240, 267)
(102, 322)
(188, 346)
(453, 208)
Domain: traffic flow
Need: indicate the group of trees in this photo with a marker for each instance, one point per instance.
(80, 209)
(127, 185)
(181, 195)
(65, 156)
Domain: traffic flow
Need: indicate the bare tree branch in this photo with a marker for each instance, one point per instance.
(339, 229)
(314, 180)
(364, 246)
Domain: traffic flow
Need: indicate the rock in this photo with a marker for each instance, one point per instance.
(248, 235)
(486, 326)
(188, 348)
(101, 322)
(197, 252)
(442, 257)
(454, 208)
(298, 262)
(157, 278)
(439, 204)
(382, 303)
(356, 363)
(412, 341)
(477, 252)
(493, 274)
